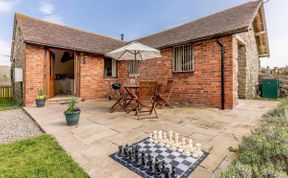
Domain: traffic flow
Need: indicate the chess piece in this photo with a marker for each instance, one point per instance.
(125, 151)
(173, 173)
(170, 136)
(163, 166)
(150, 169)
(155, 136)
(187, 150)
(143, 161)
(166, 172)
(198, 148)
(197, 151)
(191, 149)
(176, 142)
(182, 145)
(157, 169)
(120, 152)
(151, 137)
(130, 155)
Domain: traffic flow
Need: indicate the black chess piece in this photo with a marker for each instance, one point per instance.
(173, 173)
(157, 169)
(130, 155)
(138, 162)
(143, 161)
(163, 164)
(166, 172)
(150, 169)
(125, 151)
(120, 152)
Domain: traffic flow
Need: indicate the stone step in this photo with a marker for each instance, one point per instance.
(60, 100)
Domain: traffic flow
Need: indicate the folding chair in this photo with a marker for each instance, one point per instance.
(163, 98)
(121, 98)
(146, 98)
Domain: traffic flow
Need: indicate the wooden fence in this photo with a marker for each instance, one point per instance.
(5, 91)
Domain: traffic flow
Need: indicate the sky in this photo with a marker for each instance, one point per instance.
(137, 19)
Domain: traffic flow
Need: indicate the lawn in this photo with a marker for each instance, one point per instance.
(37, 157)
(6, 104)
(265, 152)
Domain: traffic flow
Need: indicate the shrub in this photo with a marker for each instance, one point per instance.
(265, 152)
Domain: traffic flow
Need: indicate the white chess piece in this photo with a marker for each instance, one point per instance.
(173, 146)
(187, 150)
(190, 145)
(176, 140)
(182, 145)
(198, 148)
(151, 137)
(160, 137)
(170, 136)
(155, 137)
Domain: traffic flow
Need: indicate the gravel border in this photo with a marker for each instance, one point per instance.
(15, 125)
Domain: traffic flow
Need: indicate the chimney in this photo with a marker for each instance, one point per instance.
(122, 37)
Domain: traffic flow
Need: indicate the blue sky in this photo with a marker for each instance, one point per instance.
(137, 19)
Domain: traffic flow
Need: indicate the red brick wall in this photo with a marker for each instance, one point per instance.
(93, 85)
(33, 72)
(201, 87)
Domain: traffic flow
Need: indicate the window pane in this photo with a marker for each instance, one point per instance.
(133, 67)
(183, 58)
(108, 67)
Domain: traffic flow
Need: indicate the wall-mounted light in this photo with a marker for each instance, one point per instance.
(85, 60)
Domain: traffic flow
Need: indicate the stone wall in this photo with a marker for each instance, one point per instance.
(246, 54)
(200, 87)
(17, 61)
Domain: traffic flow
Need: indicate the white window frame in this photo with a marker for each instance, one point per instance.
(134, 67)
(114, 68)
(183, 58)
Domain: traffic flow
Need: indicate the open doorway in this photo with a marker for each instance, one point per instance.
(242, 70)
(62, 81)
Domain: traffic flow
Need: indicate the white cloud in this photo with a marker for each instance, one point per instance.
(55, 18)
(5, 52)
(7, 5)
(46, 8)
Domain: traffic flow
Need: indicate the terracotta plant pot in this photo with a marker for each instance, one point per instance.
(72, 118)
(40, 102)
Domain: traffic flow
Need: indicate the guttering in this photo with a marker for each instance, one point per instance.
(222, 74)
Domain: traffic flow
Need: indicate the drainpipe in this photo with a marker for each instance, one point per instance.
(222, 74)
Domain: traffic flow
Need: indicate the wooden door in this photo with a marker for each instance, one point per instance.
(51, 85)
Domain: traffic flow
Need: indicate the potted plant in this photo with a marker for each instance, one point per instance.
(72, 113)
(40, 99)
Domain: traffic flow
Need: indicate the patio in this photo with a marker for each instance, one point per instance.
(99, 132)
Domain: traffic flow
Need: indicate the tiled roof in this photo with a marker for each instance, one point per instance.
(49, 34)
(226, 22)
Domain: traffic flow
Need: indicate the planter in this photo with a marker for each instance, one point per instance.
(72, 118)
(40, 103)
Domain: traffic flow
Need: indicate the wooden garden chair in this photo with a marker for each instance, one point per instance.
(121, 98)
(146, 98)
(163, 98)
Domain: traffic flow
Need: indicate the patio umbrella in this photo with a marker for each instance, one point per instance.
(134, 51)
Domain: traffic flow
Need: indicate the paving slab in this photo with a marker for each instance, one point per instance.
(99, 132)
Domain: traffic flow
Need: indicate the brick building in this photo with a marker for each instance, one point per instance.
(214, 60)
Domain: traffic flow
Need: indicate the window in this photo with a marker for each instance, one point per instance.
(109, 67)
(133, 67)
(183, 59)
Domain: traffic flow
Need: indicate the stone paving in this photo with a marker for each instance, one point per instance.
(99, 132)
(15, 125)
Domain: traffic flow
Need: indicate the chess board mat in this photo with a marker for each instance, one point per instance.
(184, 164)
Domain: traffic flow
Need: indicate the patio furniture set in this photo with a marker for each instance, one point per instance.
(137, 97)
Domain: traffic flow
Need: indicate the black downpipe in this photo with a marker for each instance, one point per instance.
(222, 74)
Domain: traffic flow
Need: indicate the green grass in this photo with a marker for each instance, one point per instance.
(265, 152)
(37, 157)
(6, 104)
